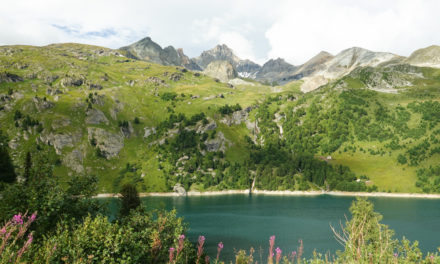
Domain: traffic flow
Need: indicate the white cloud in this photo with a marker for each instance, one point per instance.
(255, 29)
(304, 28)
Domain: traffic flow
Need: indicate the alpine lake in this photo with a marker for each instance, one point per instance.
(243, 221)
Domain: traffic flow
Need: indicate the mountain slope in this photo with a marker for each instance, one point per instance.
(128, 120)
(426, 57)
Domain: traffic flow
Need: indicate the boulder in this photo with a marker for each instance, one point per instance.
(179, 189)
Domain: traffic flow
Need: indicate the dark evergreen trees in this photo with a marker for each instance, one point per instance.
(7, 173)
(129, 199)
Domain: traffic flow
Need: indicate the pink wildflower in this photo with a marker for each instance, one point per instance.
(219, 249)
(171, 250)
(17, 219)
(200, 248)
(278, 257)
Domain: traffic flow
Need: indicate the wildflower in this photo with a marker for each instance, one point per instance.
(271, 244)
(33, 217)
(181, 244)
(278, 257)
(219, 249)
(3, 231)
(293, 254)
(17, 219)
(200, 248)
(395, 255)
(171, 250)
(25, 246)
(207, 259)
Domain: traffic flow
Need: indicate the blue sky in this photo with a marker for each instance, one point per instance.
(257, 30)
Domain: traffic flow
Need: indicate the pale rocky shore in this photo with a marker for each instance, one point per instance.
(286, 193)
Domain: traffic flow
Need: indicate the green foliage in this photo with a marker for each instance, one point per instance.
(44, 194)
(226, 109)
(143, 237)
(129, 199)
(168, 96)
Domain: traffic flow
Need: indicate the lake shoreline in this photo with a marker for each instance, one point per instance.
(286, 193)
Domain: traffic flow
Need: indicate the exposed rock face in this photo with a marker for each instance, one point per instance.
(74, 160)
(148, 50)
(9, 77)
(221, 70)
(247, 69)
(61, 122)
(127, 131)
(218, 53)
(72, 81)
(276, 71)
(313, 65)
(96, 117)
(149, 131)
(59, 141)
(219, 143)
(108, 143)
(427, 57)
(42, 104)
(313, 82)
(349, 59)
(342, 64)
(178, 188)
(236, 118)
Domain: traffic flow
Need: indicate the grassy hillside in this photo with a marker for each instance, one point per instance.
(133, 121)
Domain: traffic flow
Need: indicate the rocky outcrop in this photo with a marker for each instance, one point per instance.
(60, 141)
(96, 117)
(221, 70)
(236, 118)
(9, 77)
(219, 143)
(127, 131)
(179, 189)
(109, 144)
(74, 161)
(149, 131)
(42, 103)
(72, 81)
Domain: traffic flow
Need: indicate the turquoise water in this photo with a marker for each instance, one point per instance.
(243, 221)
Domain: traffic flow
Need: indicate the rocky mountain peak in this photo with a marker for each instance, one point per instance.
(147, 49)
(219, 52)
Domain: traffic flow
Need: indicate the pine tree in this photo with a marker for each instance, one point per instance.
(129, 199)
(7, 173)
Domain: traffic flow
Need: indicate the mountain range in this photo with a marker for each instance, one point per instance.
(160, 119)
(316, 72)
